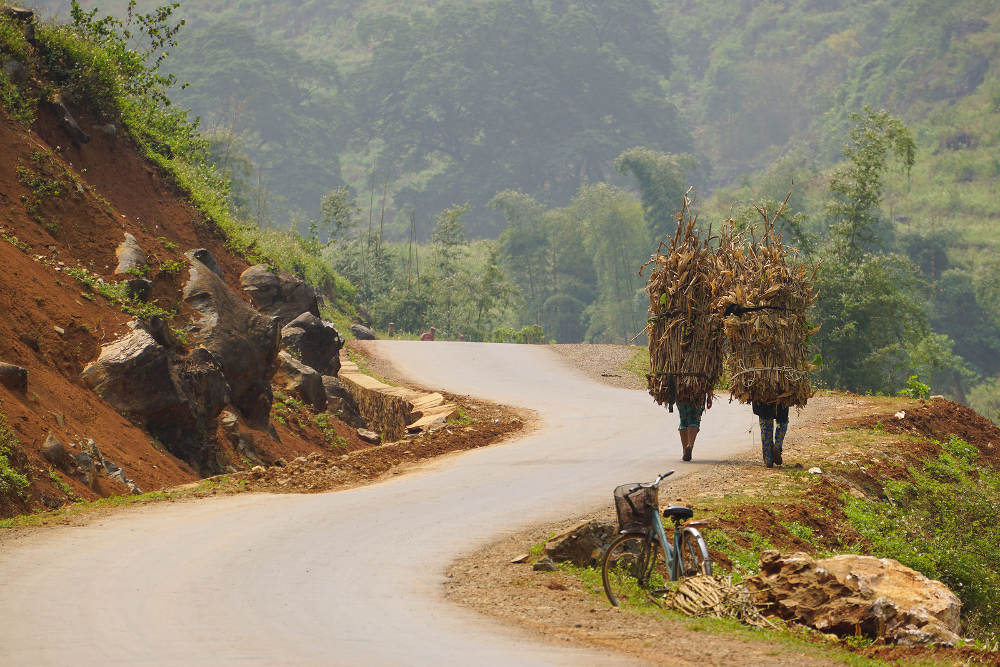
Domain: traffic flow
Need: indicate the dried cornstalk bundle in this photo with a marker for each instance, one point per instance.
(716, 596)
(685, 332)
(764, 301)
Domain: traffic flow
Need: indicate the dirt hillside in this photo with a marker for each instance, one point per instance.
(66, 206)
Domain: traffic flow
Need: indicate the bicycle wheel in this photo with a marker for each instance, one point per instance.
(693, 554)
(634, 570)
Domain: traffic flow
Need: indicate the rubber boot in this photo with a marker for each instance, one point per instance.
(767, 441)
(779, 441)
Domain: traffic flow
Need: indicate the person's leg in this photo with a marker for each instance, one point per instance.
(779, 440)
(767, 441)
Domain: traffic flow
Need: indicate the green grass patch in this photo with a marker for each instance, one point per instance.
(11, 479)
(943, 523)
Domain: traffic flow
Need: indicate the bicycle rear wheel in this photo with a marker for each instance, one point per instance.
(634, 570)
(693, 554)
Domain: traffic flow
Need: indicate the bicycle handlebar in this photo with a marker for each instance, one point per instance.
(659, 479)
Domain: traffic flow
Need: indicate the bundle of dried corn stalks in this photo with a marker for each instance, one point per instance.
(716, 596)
(764, 296)
(684, 329)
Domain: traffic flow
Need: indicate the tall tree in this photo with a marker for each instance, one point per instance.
(856, 188)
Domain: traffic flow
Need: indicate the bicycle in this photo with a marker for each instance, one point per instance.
(631, 568)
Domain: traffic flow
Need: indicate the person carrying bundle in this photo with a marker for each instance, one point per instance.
(764, 304)
(773, 426)
(684, 329)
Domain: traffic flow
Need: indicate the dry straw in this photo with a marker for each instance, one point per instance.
(765, 295)
(685, 330)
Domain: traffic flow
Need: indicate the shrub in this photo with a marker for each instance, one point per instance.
(943, 523)
(10, 478)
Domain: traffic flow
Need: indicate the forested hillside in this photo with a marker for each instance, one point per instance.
(390, 135)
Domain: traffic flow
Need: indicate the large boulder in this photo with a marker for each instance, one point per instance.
(175, 396)
(341, 403)
(244, 342)
(315, 342)
(583, 545)
(280, 295)
(844, 595)
(302, 380)
(362, 332)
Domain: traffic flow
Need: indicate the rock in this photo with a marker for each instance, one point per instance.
(340, 402)
(228, 420)
(73, 129)
(844, 595)
(369, 436)
(244, 342)
(13, 377)
(257, 472)
(55, 453)
(59, 330)
(315, 342)
(175, 397)
(815, 471)
(900, 415)
(131, 257)
(280, 295)
(584, 545)
(545, 564)
(523, 558)
(139, 288)
(86, 468)
(108, 129)
(296, 377)
(362, 332)
(133, 488)
(204, 256)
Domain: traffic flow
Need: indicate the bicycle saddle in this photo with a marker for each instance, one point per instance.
(677, 512)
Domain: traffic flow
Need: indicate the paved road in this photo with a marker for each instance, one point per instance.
(352, 577)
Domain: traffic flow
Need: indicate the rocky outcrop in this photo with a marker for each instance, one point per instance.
(340, 402)
(280, 295)
(131, 257)
(393, 411)
(206, 258)
(314, 342)
(583, 545)
(848, 594)
(175, 396)
(304, 381)
(241, 340)
(362, 332)
(13, 377)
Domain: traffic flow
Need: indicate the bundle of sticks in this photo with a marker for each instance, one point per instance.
(684, 328)
(764, 297)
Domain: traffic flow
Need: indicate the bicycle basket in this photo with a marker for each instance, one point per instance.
(635, 509)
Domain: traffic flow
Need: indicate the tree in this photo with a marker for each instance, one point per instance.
(662, 183)
(856, 188)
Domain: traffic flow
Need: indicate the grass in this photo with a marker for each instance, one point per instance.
(11, 479)
(118, 292)
(804, 641)
(942, 522)
(85, 507)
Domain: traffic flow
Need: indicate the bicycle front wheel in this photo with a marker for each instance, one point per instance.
(633, 570)
(693, 554)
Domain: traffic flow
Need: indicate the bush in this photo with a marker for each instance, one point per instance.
(10, 478)
(943, 523)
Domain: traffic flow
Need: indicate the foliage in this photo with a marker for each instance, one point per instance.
(662, 180)
(537, 97)
(870, 309)
(915, 388)
(10, 478)
(943, 523)
(529, 335)
(856, 188)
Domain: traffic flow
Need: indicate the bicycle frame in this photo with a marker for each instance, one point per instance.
(659, 534)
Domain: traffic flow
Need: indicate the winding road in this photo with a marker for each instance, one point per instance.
(352, 577)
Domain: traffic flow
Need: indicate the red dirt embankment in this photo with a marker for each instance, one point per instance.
(64, 205)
